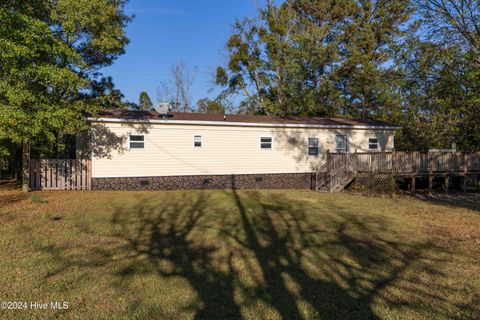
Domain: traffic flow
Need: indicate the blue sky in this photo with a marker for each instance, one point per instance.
(166, 31)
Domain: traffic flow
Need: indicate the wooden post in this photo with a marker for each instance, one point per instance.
(25, 165)
(465, 170)
(31, 175)
(447, 178)
(478, 182)
(316, 178)
(415, 157)
(45, 173)
(89, 174)
(430, 183)
(42, 174)
(356, 162)
(430, 173)
(330, 177)
(56, 173)
(393, 162)
(413, 183)
(48, 174)
(429, 162)
(38, 176)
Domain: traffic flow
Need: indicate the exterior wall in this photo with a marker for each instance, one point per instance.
(226, 150)
(265, 181)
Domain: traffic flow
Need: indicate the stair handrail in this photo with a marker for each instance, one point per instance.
(342, 172)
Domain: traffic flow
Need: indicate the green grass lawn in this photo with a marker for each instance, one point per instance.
(238, 255)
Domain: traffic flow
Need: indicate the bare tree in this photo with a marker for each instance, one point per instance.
(177, 90)
(455, 21)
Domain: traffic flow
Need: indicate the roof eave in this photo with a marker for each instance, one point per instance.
(240, 124)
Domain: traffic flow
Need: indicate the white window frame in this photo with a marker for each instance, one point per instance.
(201, 141)
(308, 146)
(144, 141)
(346, 142)
(260, 143)
(377, 143)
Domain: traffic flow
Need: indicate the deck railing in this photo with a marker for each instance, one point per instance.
(401, 162)
(336, 172)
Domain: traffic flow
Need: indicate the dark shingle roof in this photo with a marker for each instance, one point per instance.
(242, 118)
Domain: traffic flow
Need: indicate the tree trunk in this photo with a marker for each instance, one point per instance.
(57, 142)
(14, 171)
(25, 165)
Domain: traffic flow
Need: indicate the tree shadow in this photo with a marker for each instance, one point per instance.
(267, 254)
(294, 144)
(463, 200)
(166, 236)
(102, 142)
(10, 194)
(284, 246)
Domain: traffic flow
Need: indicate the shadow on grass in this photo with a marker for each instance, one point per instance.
(10, 184)
(463, 200)
(164, 236)
(269, 254)
(8, 197)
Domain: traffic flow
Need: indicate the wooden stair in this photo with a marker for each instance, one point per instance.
(336, 173)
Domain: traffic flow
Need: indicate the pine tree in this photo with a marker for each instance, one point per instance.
(317, 57)
(144, 102)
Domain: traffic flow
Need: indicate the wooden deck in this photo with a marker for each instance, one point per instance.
(341, 168)
(418, 163)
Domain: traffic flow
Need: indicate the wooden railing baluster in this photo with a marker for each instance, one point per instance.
(398, 163)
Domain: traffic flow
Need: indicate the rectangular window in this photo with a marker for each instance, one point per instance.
(341, 142)
(266, 142)
(313, 146)
(136, 141)
(373, 144)
(197, 141)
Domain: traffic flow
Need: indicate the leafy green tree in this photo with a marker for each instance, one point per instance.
(144, 102)
(50, 54)
(366, 74)
(441, 69)
(317, 57)
(415, 63)
(441, 103)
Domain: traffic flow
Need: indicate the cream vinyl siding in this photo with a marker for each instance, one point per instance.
(169, 149)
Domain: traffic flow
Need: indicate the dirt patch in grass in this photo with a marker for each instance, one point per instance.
(239, 255)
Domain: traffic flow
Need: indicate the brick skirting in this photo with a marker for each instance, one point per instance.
(244, 181)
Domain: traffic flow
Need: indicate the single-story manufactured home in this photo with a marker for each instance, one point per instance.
(147, 150)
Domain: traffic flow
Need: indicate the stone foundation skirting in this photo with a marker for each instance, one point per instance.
(244, 181)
